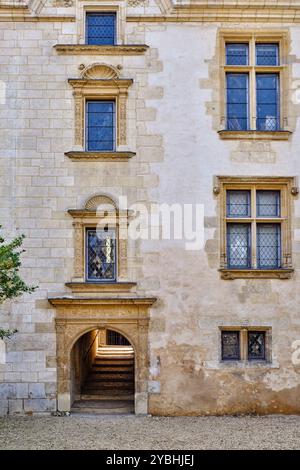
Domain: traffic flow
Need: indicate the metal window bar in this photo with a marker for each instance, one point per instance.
(267, 102)
(268, 203)
(100, 28)
(230, 345)
(256, 345)
(238, 203)
(237, 93)
(100, 125)
(237, 54)
(267, 54)
(268, 246)
(116, 339)
(100, 255)
(239, 246)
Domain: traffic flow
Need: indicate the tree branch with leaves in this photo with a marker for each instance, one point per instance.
(11, 284)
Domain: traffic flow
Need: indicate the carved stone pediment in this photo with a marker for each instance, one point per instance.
(99, 71)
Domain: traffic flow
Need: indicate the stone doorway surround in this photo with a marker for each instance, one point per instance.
(126, 315)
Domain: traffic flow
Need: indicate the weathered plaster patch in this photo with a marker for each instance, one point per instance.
(257, 292)
(253, 152)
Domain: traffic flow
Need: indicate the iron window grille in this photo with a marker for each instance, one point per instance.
(247, 345)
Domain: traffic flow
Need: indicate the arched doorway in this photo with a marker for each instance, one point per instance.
(102, 373)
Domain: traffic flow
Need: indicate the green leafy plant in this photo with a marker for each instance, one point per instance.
(11, 284)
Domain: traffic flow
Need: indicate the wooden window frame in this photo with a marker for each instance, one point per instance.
(252, 38)
(287, 187)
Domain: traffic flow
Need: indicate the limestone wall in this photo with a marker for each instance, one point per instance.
(172, 124)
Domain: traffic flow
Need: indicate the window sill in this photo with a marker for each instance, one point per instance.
(86, 49)
(231, 274)
(219, 365)
(99, 156)
(254, 135)
(97, 287)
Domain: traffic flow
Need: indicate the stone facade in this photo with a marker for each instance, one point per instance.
(171, 151)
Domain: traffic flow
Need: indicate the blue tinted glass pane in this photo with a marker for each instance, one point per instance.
(267, 54)
(100, 28)
(100, 122)
(268, 246)
(268, 203)
(238, 203)
(267, 99)
(100, 255)
(237, 54)
(238, 245)
(237, 101)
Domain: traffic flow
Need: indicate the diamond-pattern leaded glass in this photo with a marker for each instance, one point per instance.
(237, 101)
(256, 345)
(268, 246)
(238, 203)
(101, 255)
(238, 246)
(100, 122)
(237, 54)
(267, 101)
(230, 345)
(268, 203)
(100, 28)
(267, 54)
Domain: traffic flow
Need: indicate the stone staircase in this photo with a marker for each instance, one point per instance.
(109, 386)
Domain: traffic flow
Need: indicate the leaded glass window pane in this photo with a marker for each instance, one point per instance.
(237, 101)
(100, 28)
(238, 203)
(267, 101)
(100, 125)
(268, 203)
(268, 246)
(267, 54)
(230, 345)
(238, 246)
(237, 54)
(101, 255)
(256, 345)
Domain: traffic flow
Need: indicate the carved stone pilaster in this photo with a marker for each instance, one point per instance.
(122, 120)
(79, 127)
(78, 251)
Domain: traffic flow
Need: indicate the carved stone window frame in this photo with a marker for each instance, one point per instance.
(114, 6)
(287, 187)
(93, 215)
(87, 88)
(281, 37)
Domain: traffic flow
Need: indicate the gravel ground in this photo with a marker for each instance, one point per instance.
(153, 433)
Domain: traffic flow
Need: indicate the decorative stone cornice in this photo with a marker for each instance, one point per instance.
(85, 49)
(254, 135)
(103, 288)
(231, 274)
(92, 301)
(224, 11)
(99, 156)
(120, 83)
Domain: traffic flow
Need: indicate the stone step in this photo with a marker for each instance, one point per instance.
(100, 389)
(114, 395)
(108, 375)
(102, 407)
(104, 367)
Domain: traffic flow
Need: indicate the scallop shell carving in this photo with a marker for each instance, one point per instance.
(100, 71)
(102, 201)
